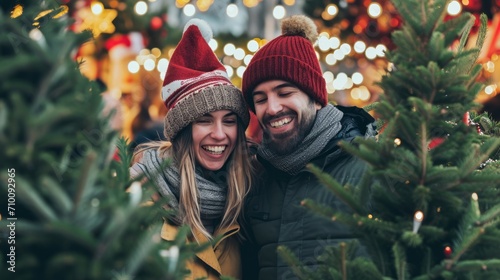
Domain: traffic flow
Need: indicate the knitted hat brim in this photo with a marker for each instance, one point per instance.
(209, 99)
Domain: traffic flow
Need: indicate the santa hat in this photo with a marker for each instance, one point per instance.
(290, 57)
(196, 83)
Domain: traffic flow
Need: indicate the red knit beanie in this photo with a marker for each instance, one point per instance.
(196, 83)
(290, 57)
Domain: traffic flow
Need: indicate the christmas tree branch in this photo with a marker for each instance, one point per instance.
(299, 270)
(336, 188)
(400, 261)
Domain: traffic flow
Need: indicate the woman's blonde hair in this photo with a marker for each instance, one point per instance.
(239, 178)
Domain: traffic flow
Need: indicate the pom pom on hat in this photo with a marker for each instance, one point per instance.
(196, 83)
(205, 30)
(300, 26)
(290, 57)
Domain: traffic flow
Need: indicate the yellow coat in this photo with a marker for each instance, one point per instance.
(221, 259)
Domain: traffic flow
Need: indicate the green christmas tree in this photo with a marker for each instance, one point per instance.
(65, 210)
(429, 208)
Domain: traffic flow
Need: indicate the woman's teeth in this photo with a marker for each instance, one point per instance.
(214, 149)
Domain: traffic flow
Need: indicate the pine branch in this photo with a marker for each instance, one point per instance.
(29, 196)
(336, 188)
(54, 191)
(477, 265)
(145, 246)
(400, 261)
(466, 32)
(298, 269)
(468, 234)
(87, 177)
(492, 215)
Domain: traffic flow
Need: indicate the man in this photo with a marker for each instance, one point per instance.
(283, 85)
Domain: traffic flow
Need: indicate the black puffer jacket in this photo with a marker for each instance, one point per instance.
(273, 214)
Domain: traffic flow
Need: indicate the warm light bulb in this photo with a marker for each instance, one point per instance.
(454, 8)
(490, 89)
(247, 59)
(189, 10)
(141, 8)
(328, 76)
(279, 12)
(474, 196)
(162, 65)
(213, 44)
(229, 70)
(332, 9)
(374, 10)
(364, 93)
(133, 67)
(397, 141)
(359, 46)
(232, 10)
(357, 78)
(229, 49)
(149, 64)
(240, 70)
(252, 45)
(323, 43)
(417, 220)
(330, 59)
(97, 8)
(239, 54)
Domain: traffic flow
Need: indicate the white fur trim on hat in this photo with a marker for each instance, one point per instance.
(216, 75)
(203, 26)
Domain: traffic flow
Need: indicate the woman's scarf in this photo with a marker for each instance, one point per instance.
(167, 180)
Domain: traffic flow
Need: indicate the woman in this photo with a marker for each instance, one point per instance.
(209, 171)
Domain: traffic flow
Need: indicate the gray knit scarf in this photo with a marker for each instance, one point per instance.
(325, 127)
(167, 180)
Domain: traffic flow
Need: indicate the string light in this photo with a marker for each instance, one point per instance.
(374, 10)
(149, 64)
(417, 220)
(332, 10)
(454, 8)
(213, 44)
(229, 49)
(97, 8)
(279, 12)
(250, 3)
(397, 141)
(189, 10)
(204, 5)
(328, 76)
(252, 45)
(141, 8)
(133, 67)
(162, 65)
(357, 78)
(239, 53)
(232, 10)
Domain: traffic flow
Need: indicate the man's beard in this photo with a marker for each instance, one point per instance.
(287, 142)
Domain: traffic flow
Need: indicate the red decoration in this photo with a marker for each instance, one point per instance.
(117, 40)
(156, 23)
(436, 142)
(447, 251)
(466, 119)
